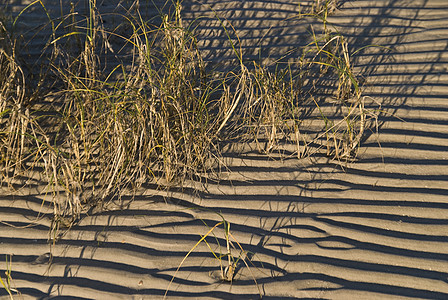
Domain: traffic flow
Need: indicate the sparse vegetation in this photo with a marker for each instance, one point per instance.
(158, 113)
(7, 282)
(229, 268)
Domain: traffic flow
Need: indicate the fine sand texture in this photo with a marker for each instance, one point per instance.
(311, 228)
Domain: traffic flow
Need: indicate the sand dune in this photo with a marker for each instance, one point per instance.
(312, 228)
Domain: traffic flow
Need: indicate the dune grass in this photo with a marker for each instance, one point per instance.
(13, 110)
(157, 113)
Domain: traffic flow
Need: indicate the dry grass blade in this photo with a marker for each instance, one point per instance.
(8, 282)
(188, 254)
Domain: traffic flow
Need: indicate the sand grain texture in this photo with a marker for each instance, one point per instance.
(376, 229)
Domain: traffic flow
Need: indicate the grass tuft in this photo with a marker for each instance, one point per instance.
(136, 103)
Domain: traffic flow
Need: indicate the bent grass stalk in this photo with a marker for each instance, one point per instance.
(227, 273)
(7, 282)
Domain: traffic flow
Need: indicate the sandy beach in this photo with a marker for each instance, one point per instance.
(311, 228)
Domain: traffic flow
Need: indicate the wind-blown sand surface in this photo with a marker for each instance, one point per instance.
(376, 228)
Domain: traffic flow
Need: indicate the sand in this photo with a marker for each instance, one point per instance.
(313, 228)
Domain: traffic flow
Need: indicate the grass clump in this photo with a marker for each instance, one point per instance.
(155, 112)
(152, 119)
(14, 113)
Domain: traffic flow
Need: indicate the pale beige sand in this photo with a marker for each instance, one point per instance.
(378, 229)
